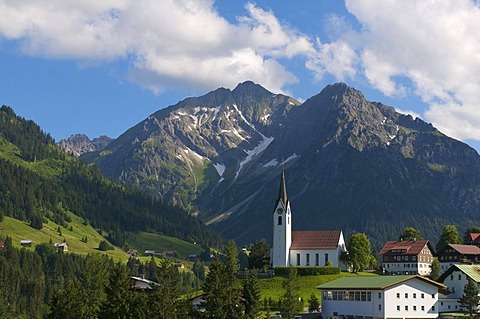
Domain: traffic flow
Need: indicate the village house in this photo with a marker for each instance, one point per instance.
(26, 243)
(406, 257)
(142, 283)
(403, 296)
(456, 254)
(455, 278)
(301, 248)
(473, 239)
(61, 247)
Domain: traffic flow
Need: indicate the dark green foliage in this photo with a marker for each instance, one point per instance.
(291, 303)
(359, 255)
(259, 255)
(449, 235)
(410, 233)
(164, 299)
(214, 291)
(470, 298)
(313, 303)
(436, 268)
(67, 303)
(199, 269)
(119, 296)
(308, 271)
(251, 293)
(104, 246)
(62, 184)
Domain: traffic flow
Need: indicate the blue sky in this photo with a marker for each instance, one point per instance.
(100, 67)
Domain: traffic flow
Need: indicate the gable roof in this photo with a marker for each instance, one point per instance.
(462, 249)
(315, 239)
(475, 237)
(413, 247)
(377, 282)
(472, 271)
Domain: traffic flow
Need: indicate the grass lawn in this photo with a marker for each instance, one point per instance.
(272, 287)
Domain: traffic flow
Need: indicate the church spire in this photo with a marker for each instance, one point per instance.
(283, 189)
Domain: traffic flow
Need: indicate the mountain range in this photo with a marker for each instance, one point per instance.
(350, 164)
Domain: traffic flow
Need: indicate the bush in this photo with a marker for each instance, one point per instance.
(308, 271)
(104, 246)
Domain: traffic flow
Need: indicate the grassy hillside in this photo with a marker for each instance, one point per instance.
(19, 230)
(160, 243)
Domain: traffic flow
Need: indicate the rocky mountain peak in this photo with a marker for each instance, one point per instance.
(78, 144)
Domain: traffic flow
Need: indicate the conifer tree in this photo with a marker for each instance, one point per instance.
(291, 303)
(233, 307)
(214, 290)
(470, 298)
(67, 303)
(164, 299)
(94, 280)
(251, 294)
(117, 304)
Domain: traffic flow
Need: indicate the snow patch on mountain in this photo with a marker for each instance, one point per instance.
(257, 150)
(273, 162)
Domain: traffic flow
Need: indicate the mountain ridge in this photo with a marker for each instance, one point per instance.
(220, 156)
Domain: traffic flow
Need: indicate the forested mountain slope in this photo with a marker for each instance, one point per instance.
(39, 181)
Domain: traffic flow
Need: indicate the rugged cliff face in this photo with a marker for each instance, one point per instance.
(79, 144)
(350, 164)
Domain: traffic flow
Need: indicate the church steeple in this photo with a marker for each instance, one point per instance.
(282, 195)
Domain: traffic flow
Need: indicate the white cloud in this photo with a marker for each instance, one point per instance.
(434, 44)
(169, 43)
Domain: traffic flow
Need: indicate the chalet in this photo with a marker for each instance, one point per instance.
(455, 278)
(61, 247)
(301, 248)
(456, 254)
(149, 252)
(169, 254)
(26, 243)
(142, 283)
(406, 257)
(403, 296)
(473, 239)
(132, 252)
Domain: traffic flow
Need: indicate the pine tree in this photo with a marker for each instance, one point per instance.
(67, 303)
(233, 307)
(313, 303)
(470, 298)
(94, 280)
(164, 299)
(291, 303)
(117, 304)
(251, 294)
(214, 290)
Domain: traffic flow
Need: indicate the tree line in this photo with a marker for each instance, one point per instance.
(41, 182)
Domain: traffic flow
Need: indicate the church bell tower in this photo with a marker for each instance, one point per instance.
(282, 227)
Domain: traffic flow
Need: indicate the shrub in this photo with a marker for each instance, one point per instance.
(104, 246)
(308, 271)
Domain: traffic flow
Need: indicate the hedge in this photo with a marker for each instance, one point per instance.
(308, 271)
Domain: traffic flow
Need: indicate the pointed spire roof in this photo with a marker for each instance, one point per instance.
(282, 195)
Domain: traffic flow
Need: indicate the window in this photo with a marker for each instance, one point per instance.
(423, 308)
(308, 260)
(398, 295)
(406, 308)
(326, 259)
(414, 308)
(433, 308)
(414, 296)
(279, 220)
(317, 259)
(298, 259)
(379, 307)
(379, 295)
(398, 308)
(459, 277)
(451, 277)
(406, 295)
(422, 296)
(433, 296)
(288, 220)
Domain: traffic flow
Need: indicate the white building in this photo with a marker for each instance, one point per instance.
(407, 257)
(455, 278)
(301, 248)
(404, 296)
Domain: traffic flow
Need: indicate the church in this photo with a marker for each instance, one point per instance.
(301, 248)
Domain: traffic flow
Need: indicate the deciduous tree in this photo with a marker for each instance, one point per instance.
(449, 235)
(410, 233)
(259, 255)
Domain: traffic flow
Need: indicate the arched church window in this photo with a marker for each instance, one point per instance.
(279, 220)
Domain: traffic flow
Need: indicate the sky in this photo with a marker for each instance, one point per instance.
(100, 67)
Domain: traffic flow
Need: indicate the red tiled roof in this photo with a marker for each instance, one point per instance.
(413, 247)
(315, 239)
(466, 249)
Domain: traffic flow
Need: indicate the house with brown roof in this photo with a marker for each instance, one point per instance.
(457, 254)
(407, 257)
(473, 239)
(301, 248)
